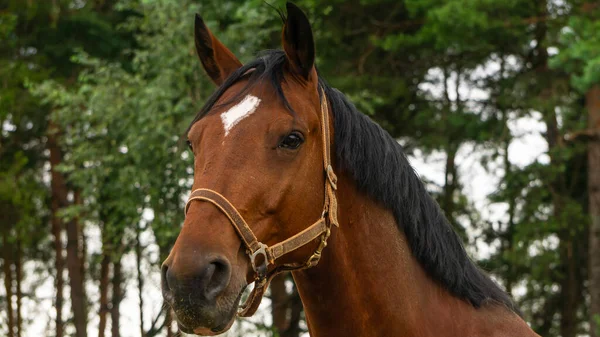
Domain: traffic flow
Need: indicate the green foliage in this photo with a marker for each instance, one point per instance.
(580, 50)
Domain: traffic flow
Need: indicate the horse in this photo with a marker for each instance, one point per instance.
(290, 176)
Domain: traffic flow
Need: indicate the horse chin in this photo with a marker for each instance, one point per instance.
(214, 331)
(207, 331)
(219, 322)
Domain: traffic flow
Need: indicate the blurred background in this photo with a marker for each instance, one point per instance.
(497, 104)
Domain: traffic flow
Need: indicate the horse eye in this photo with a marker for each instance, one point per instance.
(189, 144)
(292, 141)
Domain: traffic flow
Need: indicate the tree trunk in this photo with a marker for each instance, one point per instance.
(447, 202)
(296, 309)
(60, 192)
(117, 295)
(286, 308)
(82, 247)
(8, 283)
(19, 278)
(569, 282)
(57, 197)
(169, 322)
(78, 299)
(593, 108)
(104, 282)
(140, 278)
(569, 285)
(568, 276)
(279, 303)
(569, 288)
(508, 235)
(449, 184)
(59, 265)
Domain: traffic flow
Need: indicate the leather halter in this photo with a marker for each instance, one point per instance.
(254, 248)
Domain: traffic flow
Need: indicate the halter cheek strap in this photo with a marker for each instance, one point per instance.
(262, 256)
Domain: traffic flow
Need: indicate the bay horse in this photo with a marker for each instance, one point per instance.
(289, 176)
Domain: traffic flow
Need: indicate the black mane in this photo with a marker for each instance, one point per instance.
(380, 169)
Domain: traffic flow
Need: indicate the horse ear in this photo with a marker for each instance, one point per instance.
(298, 41)
(218, 61)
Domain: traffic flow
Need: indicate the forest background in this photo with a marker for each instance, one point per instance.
(496, 102)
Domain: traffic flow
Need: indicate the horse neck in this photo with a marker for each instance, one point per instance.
(369, 284)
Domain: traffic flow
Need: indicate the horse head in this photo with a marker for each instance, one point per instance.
(261, 161)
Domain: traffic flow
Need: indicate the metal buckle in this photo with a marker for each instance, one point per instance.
(313, 260)
(260, 270)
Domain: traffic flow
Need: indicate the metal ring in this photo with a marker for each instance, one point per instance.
(260, 270)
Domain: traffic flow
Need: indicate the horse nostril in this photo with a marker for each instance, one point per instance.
(164, 280)
(200, 285)
(217, 275)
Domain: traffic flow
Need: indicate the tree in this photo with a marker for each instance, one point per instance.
(580, 57)
(593, 107)
(40, 41)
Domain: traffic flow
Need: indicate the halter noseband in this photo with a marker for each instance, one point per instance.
(254, 248)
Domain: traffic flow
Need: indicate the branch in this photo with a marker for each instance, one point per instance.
(156, 328)
(583, 135)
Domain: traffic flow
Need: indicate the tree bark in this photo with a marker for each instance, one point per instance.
(60, 193)
(593, 108)
(569, 288)
(286, 308)
(58, 200)
(117, 295)
(8, 282)
(59, 265)
(296, 309)
(449, 184)
(169, 322)
(447, 203)
(140, 278)
(568, 277)
(19, 278)
(104, 283)
(279, 303)
(507, 236)
(82, 247)
(569, 283)
(78, 299)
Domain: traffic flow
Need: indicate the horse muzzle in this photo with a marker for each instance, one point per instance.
(200, 294)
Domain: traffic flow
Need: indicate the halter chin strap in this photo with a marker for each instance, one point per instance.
(262, 256)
